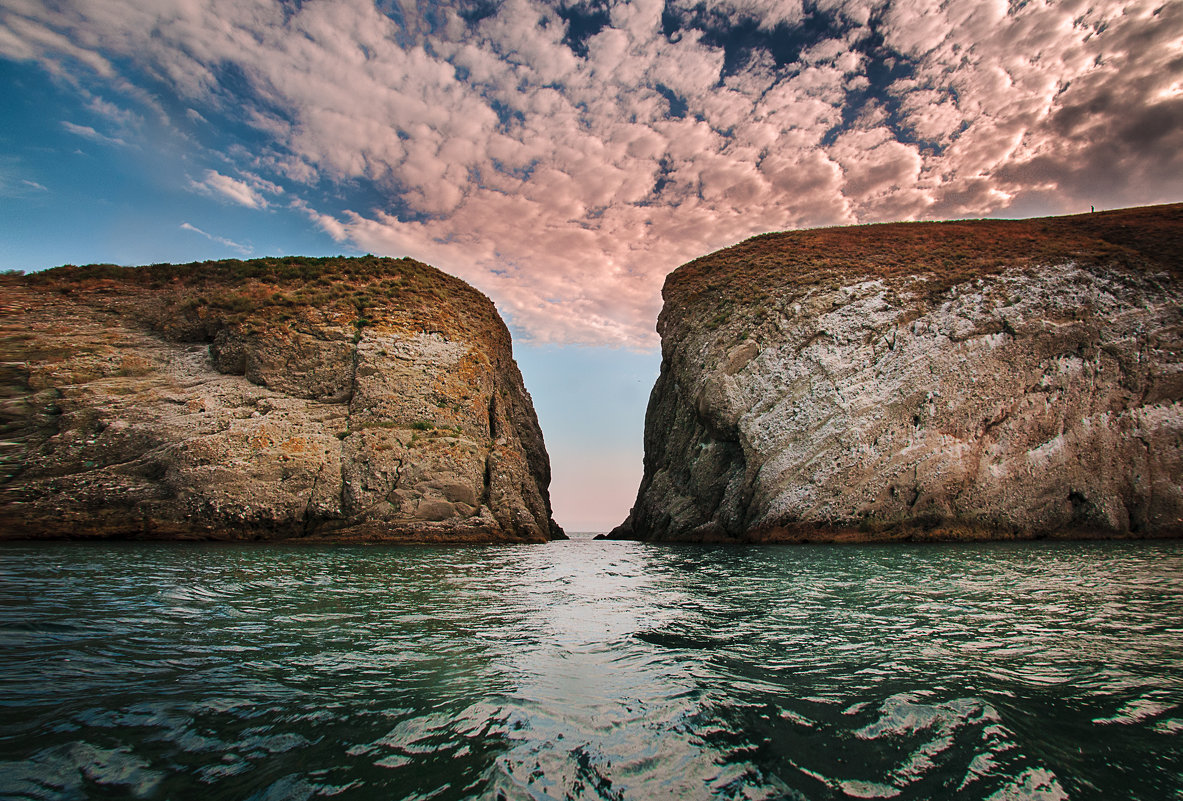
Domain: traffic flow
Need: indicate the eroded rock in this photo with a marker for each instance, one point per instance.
(347, 399)
(927, 381)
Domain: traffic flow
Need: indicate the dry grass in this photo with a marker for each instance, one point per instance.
(192, 301)
(945, 253)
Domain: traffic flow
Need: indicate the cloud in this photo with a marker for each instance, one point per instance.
(243, 249)
(12, 184)
(111, 111)
(564, 157)
(90, 133)
(23, 36)
(244, 193)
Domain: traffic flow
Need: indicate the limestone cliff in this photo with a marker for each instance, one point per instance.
(960, 380)
(346, 399)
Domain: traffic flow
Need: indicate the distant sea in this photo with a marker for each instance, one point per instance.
(592, 670)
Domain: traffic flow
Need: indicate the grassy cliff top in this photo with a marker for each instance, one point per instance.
(945, 253)
(187, 301)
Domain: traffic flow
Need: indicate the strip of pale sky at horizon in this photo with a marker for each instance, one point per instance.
(563, 157)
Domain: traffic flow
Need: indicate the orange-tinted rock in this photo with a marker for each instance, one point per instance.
(347, 399)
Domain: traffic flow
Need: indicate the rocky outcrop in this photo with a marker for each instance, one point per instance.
(345, 399)
(969, 380)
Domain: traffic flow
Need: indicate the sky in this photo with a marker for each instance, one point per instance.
(564, 157)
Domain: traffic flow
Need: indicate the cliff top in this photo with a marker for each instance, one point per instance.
(190, 301)
(945, 253)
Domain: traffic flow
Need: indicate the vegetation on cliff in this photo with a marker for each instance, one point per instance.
(942, 253)
(189, 301)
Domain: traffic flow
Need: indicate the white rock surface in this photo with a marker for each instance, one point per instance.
(1031, 402)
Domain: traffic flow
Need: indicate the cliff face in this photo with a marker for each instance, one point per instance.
(988, 379)
(349, 399)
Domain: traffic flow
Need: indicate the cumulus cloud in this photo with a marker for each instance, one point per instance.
(243, 249)
(245, 193)
(565, 156)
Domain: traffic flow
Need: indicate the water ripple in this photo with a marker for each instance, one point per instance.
(592, 670)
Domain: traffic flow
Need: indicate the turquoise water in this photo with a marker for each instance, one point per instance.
(592, 670)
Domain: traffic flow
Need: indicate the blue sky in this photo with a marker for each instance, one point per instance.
(565, 156)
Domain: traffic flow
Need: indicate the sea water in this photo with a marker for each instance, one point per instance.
(592, 670)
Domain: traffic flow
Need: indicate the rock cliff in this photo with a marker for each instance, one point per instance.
(960, 380)
(348, 399)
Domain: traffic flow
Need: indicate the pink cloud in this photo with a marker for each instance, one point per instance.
(232, 189)
(561, 184)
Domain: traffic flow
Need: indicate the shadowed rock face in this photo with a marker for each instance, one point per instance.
(346, 399)
(970, 380)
